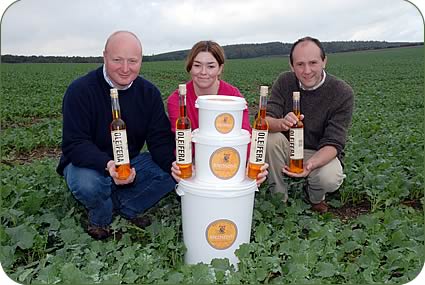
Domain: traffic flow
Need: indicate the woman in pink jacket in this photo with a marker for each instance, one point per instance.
(205, 64)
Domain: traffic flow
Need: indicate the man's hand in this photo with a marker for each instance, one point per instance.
(322, 157)
(283, 124)
(111, 169)
(307, 167)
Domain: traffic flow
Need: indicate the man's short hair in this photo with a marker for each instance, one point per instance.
(316, 41)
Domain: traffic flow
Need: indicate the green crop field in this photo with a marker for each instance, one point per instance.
(373, 234)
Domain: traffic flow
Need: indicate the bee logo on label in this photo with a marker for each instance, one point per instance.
(221, 234)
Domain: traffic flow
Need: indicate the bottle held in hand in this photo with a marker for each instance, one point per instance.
(183, 137)
(119, 138)
(296, 138)
(260, 130)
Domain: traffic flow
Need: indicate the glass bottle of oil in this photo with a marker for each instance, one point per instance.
(183, 137)
(260, 130)
(119, 138)
(296, 138)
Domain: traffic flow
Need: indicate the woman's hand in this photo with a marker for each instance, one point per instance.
(175, 171)
(262, 176)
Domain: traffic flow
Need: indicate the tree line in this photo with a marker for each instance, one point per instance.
(232, 52)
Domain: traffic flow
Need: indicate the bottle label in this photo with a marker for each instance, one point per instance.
(225, 162)
(221, 234)
(296, 143)
(257, 154)
(120, 147)
(224, 123)
(183, 146)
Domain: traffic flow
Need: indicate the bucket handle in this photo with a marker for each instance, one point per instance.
(178, 190)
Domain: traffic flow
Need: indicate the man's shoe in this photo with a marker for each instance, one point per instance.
(99, 233)
(321, 207)
(142, 221)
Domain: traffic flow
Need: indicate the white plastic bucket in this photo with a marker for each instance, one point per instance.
(220, 159)
(215, 223)
(220, 114)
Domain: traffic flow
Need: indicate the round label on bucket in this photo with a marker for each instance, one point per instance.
(224, 162)
(221, 234)
(224, 123)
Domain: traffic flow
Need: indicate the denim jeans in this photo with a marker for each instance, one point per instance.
(101, 197)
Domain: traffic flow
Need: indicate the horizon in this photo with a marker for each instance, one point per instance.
(182, 50)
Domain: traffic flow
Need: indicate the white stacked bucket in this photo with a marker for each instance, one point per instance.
(217, 202)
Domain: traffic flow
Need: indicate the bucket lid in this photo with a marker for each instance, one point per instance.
(216, 190)
(221, 103)
(241, 139)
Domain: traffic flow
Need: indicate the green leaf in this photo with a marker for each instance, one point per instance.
(174, 278)
(112, 278)
(261, 273)
(359, 235)
(49, 274)
(156, 274)
(352, 269)
(128, 253)
(394, 255)
(50, 219)
(22, 236)
(297, 271)
(244, 250)
(94, 265)
(262, 233)
(33, 202)
(220, 263)
(68, 235)
(23, 276)
(130, 277)
(350, 246)
(397, 238)
(72, 275)
(325, 269)
(7, 257)
(201, 274)
(368, 260)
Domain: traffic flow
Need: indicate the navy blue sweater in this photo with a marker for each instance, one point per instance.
(87, 114)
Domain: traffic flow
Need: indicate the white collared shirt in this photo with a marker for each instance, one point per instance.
(316, 86)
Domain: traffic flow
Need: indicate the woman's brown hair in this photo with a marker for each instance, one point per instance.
(209, 46)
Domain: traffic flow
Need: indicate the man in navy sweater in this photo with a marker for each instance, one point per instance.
(87, 159)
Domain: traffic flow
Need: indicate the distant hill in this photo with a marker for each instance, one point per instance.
(232, 52)
(283, 49)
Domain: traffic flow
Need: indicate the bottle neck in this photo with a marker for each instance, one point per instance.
(116, 112)
(182, 105)
(296, 107)
(262, 107)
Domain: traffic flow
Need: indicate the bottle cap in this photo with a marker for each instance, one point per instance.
(264, 90)
(114, 92)
(182, 89)
(296, 95)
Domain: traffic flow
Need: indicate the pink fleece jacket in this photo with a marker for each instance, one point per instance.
(192, 112)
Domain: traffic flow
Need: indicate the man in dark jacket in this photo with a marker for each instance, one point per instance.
(87, 155)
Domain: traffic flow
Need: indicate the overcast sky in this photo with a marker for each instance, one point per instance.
(80, 27)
